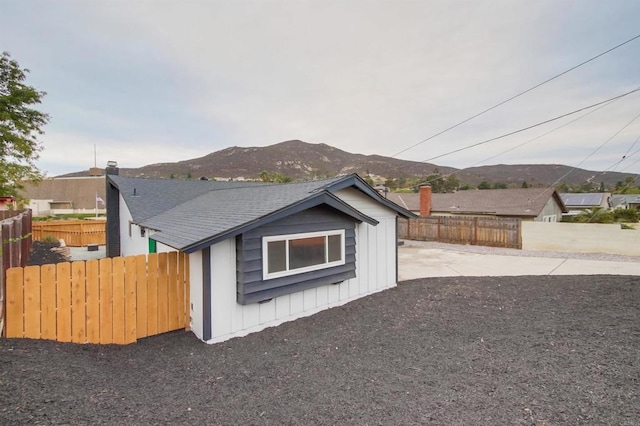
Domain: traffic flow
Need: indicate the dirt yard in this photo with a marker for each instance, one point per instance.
(548, 350)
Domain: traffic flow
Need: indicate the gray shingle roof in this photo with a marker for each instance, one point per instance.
(189, 215)
(524, 202)
(148, 197)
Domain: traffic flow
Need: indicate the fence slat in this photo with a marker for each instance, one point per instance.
(130, 300)
(106, 302)
(142, 298)
(15, 302)
(152, 295)
(63, 302)
(476, 230)
(75, 233)
(78, 303)
(172, 282)
(48, 297)
(163, 308)
(93, 301)
(99, 301)
(118, 300)
(32, 302)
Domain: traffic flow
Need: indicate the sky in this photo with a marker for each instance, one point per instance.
(143, 82)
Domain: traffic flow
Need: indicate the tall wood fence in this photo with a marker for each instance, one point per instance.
(113, 300)
(474, 230)
(15, 245)
(75, 233)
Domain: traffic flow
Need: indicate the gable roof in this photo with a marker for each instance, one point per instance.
(191, 217)
(622, 200)
(523, 202)
(147, 197)
(408, 200)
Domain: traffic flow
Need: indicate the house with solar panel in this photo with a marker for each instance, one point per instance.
(259, 253)
(579, 202)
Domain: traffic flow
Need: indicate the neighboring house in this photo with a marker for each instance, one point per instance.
(407, 200)
(260, 254)
(579, 202)
(533, 204)
(7, 203)
(625, 201)
(66, 195)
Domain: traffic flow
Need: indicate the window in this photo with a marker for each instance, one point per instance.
(297, 253)
(549, 218)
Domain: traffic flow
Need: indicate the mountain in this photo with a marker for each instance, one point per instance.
(300, 160)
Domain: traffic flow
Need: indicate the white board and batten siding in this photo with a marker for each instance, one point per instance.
(376, 271)
(131, 240)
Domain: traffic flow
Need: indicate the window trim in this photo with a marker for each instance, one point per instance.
(288, 237)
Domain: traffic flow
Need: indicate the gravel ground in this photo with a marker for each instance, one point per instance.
(47, 253)
(543, 350)
(518, 252)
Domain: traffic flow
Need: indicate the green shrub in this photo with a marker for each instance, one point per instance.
(49, 239)
(626, 215)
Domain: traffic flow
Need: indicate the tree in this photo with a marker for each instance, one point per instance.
(484, 185)
(525, 184)
(20, 126)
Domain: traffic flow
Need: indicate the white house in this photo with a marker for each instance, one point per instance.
(260, 254)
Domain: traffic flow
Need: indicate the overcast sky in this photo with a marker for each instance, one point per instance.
(163, 81)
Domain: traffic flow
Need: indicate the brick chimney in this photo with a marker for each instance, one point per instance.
(425, 200)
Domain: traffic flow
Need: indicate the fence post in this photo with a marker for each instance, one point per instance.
(475, 231)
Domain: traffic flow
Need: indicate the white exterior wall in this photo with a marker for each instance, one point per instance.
(195, 286)
(131, 244)
(376, 271)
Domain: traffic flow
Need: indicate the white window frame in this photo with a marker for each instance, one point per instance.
(550, 218)
(287, 272)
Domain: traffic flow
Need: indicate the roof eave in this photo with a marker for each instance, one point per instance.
(360, 184)
(313, 201)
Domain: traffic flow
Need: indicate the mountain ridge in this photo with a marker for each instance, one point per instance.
(302, 161)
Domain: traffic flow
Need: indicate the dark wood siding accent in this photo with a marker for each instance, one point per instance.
(113, 220)
(251, 288)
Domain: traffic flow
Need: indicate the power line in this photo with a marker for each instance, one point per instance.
(524, 143)
(541, 135)
(516, 96)
(530, 127)
(596, 150)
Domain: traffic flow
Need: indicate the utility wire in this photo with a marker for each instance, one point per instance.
(596, 150)
(515, 96)
(522, 144)
(530, 127)
(541, 135)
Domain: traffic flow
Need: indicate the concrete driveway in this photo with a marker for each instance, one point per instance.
(419, 259)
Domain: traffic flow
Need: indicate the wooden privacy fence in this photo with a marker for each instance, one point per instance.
(113, 300)
(15, 245)
(474, 230)
(75, 233)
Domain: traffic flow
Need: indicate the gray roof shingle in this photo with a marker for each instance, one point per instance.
(191, 214)
(523, 202)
